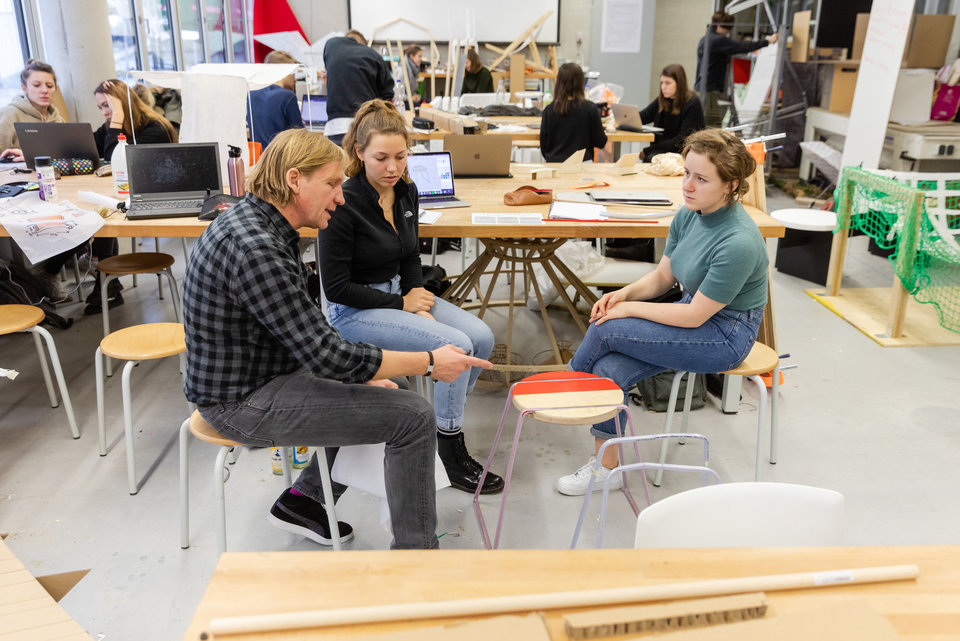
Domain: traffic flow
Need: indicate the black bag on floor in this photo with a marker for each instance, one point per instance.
(655, 392)
(19, 287)
(435, 279)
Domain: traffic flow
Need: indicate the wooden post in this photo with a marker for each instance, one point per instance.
(517, 75)
(906, 260)
(838, 249)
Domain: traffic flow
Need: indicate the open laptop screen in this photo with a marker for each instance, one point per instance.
(172, 169)
(313, 110)
(432, 172)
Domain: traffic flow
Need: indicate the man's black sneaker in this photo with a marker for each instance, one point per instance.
(464, 472)
(306, 517)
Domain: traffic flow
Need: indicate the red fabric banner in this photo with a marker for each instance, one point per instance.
(271, 16)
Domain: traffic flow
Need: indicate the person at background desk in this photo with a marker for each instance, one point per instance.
(274, 108)
(124, 113)
(716, 253)
(266, 368)
(355, 73)
(39, 85)
(476, 77)
(571, 122)
(712, 80)
(370, 263)
(676, 110)
(412, 59)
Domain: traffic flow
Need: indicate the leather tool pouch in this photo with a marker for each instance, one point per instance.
(528, 195)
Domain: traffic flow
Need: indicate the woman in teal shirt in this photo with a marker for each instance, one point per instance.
(716, 253)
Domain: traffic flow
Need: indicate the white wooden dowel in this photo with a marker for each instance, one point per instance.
(554, 600)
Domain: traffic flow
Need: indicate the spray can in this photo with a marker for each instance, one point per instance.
(276, 460)
(301, 457)
(235, 171)
(46, 179)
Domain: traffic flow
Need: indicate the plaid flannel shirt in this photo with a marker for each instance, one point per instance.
(248, 314)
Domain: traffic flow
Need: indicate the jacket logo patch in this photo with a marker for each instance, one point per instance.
(408, 214)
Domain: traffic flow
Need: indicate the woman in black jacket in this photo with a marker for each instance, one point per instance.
(370, 265)
(677, 110)
(571, 122)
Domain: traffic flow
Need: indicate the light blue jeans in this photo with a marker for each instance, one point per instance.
(395, 329)
(628, 350)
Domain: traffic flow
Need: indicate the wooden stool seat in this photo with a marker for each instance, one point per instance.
(16, 318)
(205, 432)
(27, 318)
(145, 342)
(138, 263)
(760, 360)
(570, 398)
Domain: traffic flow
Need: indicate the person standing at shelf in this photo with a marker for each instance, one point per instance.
(355, 74)
(711, 81)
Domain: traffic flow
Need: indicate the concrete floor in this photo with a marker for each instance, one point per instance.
(878, 425)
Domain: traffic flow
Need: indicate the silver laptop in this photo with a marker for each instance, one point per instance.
(57, 140)
(480, 156)
(172, 180)
(313, 110)
(432, 173)
(627, 118)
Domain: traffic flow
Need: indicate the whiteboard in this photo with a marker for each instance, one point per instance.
(488, 21)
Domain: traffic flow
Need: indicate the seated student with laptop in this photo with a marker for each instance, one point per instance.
(370, 265)
(39, 85)
(124, 113)
(572, 122)
(677, 110)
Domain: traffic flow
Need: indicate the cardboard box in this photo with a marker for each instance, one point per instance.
(926, 45)
(912, 97)
(32, 603)
(800, 47)
(839, 82)
(929, 39)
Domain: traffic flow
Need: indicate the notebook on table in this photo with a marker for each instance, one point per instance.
(172, 180)
(480, 156)
(57, 140)
(313, 110)
(432, 173)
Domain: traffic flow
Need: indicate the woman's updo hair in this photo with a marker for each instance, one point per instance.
(374, 117)
(728, 154)
(36, 65)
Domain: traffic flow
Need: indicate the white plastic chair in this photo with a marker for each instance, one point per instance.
(743, 515)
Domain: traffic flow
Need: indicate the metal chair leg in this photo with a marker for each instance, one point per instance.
(328, 501)
(39, 332)
(184, 484)
(668, 424)
(128, 426)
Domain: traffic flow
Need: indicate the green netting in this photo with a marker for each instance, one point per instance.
(894, 215)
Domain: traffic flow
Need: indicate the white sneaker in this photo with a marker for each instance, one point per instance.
(576, 484)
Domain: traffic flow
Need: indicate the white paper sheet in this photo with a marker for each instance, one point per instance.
(507, 219)
(621, 25)
(429, 216)
(361, 467)
(577, 211)
(43, 229)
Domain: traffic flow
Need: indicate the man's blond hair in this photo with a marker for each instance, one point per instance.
(299, 149)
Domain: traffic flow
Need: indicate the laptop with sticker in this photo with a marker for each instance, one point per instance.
(172, 180)
(432, 173)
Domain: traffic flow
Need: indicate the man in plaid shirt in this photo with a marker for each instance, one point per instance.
(265, 368)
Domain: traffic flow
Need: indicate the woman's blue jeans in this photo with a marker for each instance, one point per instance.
(628, 350)
(395, 329)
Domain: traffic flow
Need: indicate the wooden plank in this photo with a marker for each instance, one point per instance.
(868, 308)
(518, 66)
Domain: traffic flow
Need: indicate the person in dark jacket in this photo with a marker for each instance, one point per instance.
(355, 74)
(676, 110)
(476, 77)
(712, 80)
(370, 265)
(274, 108)
(572, 122)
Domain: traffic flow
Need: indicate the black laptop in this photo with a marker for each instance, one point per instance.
(172, 180)
(57, 140)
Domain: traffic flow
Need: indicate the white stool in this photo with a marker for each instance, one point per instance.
(804, 251)
(205, 432)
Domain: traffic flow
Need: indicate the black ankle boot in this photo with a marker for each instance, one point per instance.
(464, 472)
